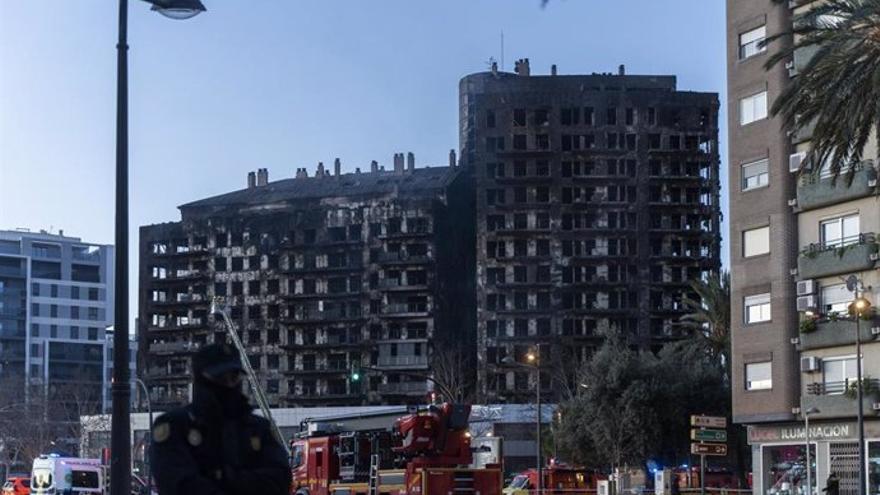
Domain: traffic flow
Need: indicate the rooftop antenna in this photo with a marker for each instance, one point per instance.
(502, 50)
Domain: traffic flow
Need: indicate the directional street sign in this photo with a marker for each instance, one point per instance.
(709, 449)
(709, 435)
(709, 421)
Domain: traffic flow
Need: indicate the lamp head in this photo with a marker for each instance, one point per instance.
(531, 357)
(178, 9)
(861, 304)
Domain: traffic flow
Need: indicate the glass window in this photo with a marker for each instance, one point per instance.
(838, 373)
(752, 42)
(757, 308)
(873, 467)
(753, 108)
(759, 376)
(840, 231)
(756, 241)
(755, 175)
(785, 468)
(835, 299)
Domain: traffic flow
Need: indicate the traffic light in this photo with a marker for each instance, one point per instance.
(355, 373)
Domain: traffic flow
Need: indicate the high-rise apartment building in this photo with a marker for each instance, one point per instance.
(796, 236)
(596, 205)
(56, 301)
(321, 274)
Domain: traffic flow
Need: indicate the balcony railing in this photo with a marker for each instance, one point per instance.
(845, 255)
(816, 191)
(404, 308)
(838, 399)
(836, 332)
(402, 361)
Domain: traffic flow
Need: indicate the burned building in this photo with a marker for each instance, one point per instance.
(322, 274)
(597, 202)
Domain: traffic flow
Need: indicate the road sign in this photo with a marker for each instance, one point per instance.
(709, 435)
(709, 449)
(709, 421)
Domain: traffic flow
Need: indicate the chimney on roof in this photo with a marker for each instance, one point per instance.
(452, 160)
(337, 167)
(621, 70)
(521, 67)
(252, 180)
(302, 173)
(357, 170)
(262, 176)
(374, 166)
(553, 70)
(398, 163)
(320, 172)
(494, 68)
(410, 161)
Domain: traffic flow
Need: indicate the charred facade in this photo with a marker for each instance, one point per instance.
(597, 204)
(322, 275)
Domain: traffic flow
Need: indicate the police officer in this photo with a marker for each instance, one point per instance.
(216, 445)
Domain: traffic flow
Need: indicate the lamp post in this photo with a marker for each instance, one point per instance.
(120, 428)
(534, 358)
(807, 413)
(857, 308)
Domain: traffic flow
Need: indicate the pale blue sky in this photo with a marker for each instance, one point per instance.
(284, 84)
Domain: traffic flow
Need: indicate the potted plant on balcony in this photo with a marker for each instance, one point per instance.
(808, 325)
(869, 388)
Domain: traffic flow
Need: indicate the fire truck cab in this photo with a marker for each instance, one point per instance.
(557, 479)
(424, 453)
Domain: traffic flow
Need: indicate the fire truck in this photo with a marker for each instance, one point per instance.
(558, 478)
(426, 452)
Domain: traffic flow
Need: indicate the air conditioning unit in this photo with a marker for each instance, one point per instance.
(795, 340)
(807, 303)
(810, 364)
(875, 331)
(875, 406)
(792, 202)
(806, 287)
(795, 160)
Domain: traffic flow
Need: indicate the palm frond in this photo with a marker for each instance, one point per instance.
(838, 90)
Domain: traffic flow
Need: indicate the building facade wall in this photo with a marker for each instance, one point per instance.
(596, 205)
(318, 285)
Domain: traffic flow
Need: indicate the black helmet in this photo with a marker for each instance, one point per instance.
(213, 360)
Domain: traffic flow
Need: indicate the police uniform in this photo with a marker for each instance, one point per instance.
(215, 445)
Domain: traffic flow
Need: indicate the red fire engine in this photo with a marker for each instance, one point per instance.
(425, 453)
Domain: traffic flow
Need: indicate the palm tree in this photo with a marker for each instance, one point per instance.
(839, 87)
(709, 316)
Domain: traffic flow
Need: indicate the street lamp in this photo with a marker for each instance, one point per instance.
(858, 308)
(120, 428)
(811, 410)
(534, 359)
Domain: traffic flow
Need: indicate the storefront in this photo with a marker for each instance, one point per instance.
(779, 457)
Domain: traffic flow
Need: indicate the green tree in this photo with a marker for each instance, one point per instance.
(709, 317)
(838, 88)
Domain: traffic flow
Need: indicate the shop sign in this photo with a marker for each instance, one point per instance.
(834, 431)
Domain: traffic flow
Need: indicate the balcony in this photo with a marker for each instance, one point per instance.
(320, 316)
(838, 399)
(405, 309)
(844, 256)
(403, 388)
(402, 362)
(403, 258)
(814, 192)
(174, 347)
(830, 333)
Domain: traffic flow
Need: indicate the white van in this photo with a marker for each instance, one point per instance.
(54, 475)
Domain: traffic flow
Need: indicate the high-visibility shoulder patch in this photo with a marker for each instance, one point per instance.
(256, 444)
(194, 437)
(161, 432)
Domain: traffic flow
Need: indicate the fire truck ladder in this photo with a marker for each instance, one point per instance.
(463, 482)
(249, 372)
(374, 474)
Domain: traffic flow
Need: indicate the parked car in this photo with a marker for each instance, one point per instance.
(17, 485)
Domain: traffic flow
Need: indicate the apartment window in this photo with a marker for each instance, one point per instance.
(53, 290)
(836, 299)
(74, 292)
(490, 118)
(759, 376)
(519, 141)
(93, 294)
(755, 175)
(519, 117)
(74, 332)
(611, 116)
(838, 373)
(840, 231)
(752, 42)
(220, 264)
(753, 108)
(757, 308)
(756, 241)
(35, 289)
